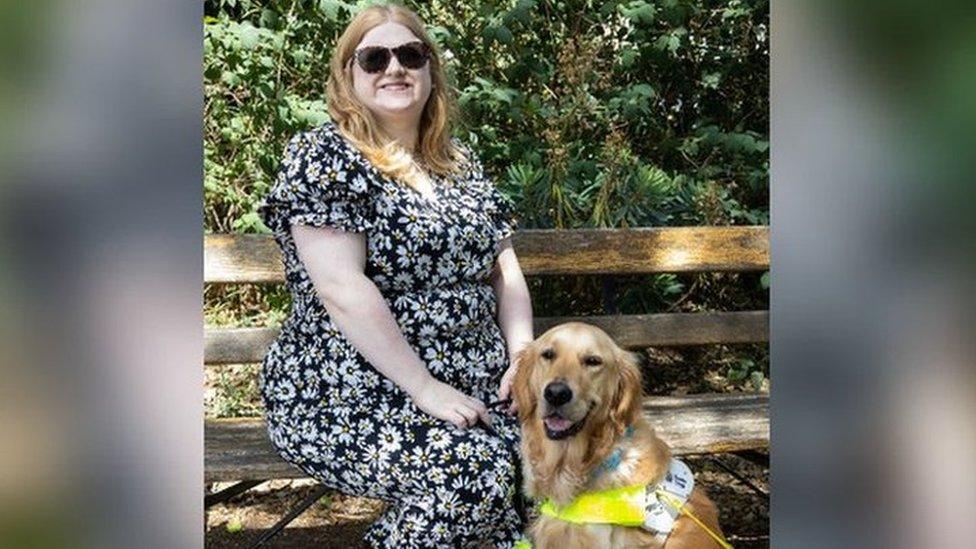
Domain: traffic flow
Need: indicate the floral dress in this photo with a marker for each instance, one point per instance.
(334, 416)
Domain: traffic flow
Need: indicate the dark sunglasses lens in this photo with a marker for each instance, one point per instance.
(412, 56)
(374, 59)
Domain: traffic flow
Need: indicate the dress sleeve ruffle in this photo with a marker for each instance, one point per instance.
(500, 209)
(503, 215)
(318, 185)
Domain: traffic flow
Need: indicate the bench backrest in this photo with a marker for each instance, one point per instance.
(237, 259)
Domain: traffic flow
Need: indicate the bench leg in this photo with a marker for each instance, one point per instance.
(292, 515)
(219, 497)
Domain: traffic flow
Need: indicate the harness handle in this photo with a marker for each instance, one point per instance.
(680, 507)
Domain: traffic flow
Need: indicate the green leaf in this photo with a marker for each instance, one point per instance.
(212, 73)
(439, 34)
(627, 58)
(711, 80)
(503, 35)
(764, 280)
(249, 36)
(230, 78)
(250, 223)
(757, 379)
(268, 19)
(234, 526)
(504, 95)
(735, 375)
(330, 8)
(671, 41)
(638, 12)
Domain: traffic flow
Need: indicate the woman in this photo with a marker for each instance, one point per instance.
(398, 257)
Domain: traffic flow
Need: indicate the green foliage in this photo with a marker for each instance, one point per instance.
(610, 114)
(746, 370)
(621, 113)
(325, 501)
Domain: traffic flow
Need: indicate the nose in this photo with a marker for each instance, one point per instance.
(395, 67)
(558, 393)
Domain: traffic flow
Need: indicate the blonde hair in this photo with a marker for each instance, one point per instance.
(437, 153)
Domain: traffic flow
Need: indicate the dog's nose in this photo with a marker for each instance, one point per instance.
(558, 393)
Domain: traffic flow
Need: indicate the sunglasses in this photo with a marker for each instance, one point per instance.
(374, 59)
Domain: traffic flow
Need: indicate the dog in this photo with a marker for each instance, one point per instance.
(579, 397)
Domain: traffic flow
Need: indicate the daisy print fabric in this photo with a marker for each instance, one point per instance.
(330, 413)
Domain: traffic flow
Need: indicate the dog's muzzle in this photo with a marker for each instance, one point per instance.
(557, 394)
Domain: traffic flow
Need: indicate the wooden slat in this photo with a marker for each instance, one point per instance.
(256, 258)
(240, 450)
(229, 258)
(646, 250)
(248, 345)
(237, 345)
(674, 329)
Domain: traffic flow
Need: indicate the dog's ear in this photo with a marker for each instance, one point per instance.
(628, 397)
(524, 397)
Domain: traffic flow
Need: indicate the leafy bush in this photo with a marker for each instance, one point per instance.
(619, 113)
(589, 114)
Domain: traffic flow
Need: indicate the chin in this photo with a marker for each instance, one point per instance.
(398, 107)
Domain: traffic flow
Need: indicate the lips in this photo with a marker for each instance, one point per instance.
(396, 86)
(558, 427)
(556, 423)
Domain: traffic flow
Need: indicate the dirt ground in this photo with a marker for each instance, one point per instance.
(339, 521)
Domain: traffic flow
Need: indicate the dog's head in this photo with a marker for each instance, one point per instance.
(575, 381)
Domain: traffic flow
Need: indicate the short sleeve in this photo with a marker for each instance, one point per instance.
(500, 209)
(503, 215)
(319, 185)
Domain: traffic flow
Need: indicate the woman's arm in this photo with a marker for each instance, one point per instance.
(335, 261)
(514, 310)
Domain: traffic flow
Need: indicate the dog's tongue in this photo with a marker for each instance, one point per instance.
(556, 423)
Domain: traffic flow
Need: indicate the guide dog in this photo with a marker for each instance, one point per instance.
(579, 398)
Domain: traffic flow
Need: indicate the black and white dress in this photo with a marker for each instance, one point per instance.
(334, 416)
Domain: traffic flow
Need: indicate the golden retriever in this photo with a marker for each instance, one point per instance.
(577, 392)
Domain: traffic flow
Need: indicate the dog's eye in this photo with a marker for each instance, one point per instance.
(593, 361)
(548, 354)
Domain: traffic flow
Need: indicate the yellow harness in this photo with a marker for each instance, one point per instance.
(653, 508)
(619, 506)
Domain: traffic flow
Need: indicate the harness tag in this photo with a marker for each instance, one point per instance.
(678, 481)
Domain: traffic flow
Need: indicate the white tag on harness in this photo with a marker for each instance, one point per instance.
(659, 516)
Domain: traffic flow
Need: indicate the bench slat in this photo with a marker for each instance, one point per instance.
(233, 259)
(239, 449)
(248, 345)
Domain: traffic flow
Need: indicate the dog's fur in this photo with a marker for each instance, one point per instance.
(611, 393)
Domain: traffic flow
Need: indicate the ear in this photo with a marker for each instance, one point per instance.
(628, 397)
(523, 394)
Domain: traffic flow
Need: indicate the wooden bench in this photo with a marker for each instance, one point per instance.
(239, 449)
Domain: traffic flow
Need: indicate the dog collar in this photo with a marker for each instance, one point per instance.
(639, 505)
(613, 460)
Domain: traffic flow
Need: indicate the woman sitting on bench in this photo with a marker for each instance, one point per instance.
(408, 301)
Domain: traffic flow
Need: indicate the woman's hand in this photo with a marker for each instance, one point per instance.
(445, 402)
(505, 387)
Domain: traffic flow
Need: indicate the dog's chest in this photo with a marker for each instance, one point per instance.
(555, 534)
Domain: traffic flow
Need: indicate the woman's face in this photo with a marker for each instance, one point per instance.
(397, 94)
